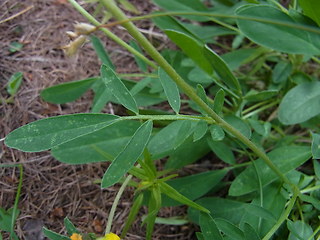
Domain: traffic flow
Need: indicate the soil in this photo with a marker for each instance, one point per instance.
(52, 190)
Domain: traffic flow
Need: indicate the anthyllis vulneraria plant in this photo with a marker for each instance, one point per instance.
(256, 107)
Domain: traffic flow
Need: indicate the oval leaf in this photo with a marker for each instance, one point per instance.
(170, 89)
(130, 154)
(300, 104)
(274, 33)
(47, 133)
(118, 89)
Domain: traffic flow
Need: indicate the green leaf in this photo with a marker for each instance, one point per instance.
(53, 235)
(101, 51)
(300, 104)
(289, 39)
(217, 133)
(316, 166)
(299, 230)
(183, 5)
(281, 72)
(209, 228)
(192, 48)
(172, 221)
(171, 90)
(7, 218)
(118, 89)
(315, 146)
(200, 236)
(168, 138)
(50, 132)
(311, 8)
(195, 186)
(200, 130)
(130, 154)
(222, 69)
(99, 146)
(175, 195)
(223, 151)
(250, 233)
(239, 124)
(14, 83)
(70, 227)
(262, 128)
(187, 153)
(141, 64)
(67, 92)
(229, 229)
(255, 96)
(285, 158)
(15, 47)
(186, 129)
(101, 97)
(218, 101)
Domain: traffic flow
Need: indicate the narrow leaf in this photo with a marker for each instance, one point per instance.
(70, 227)
(222, 69)
(171, 90)
(250, 233)
(209, 228)
(67, 92)
(222, 151)
(47, 133)
(229, 229)
(118, 89)
(130, 154)
(217, 133)
(175, 195)
(53, 236)
(101, 51)
(218, 101)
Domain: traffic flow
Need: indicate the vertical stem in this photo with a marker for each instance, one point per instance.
(16, 201)
(115, 204)
(187, 89)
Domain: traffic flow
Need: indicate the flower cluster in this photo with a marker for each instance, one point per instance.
(109, 236)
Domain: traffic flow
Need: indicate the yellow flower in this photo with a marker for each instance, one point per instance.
(76, 236)
(110, 236)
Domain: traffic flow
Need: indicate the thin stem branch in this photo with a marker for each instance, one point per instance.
(115, 203)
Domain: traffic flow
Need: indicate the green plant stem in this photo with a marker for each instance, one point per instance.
(16, 201)
(185, 87)
(311, 189)
(169, 118)
(260, 109)
(115, 204)
(218, 15)
(284, 216)
(112, 36)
